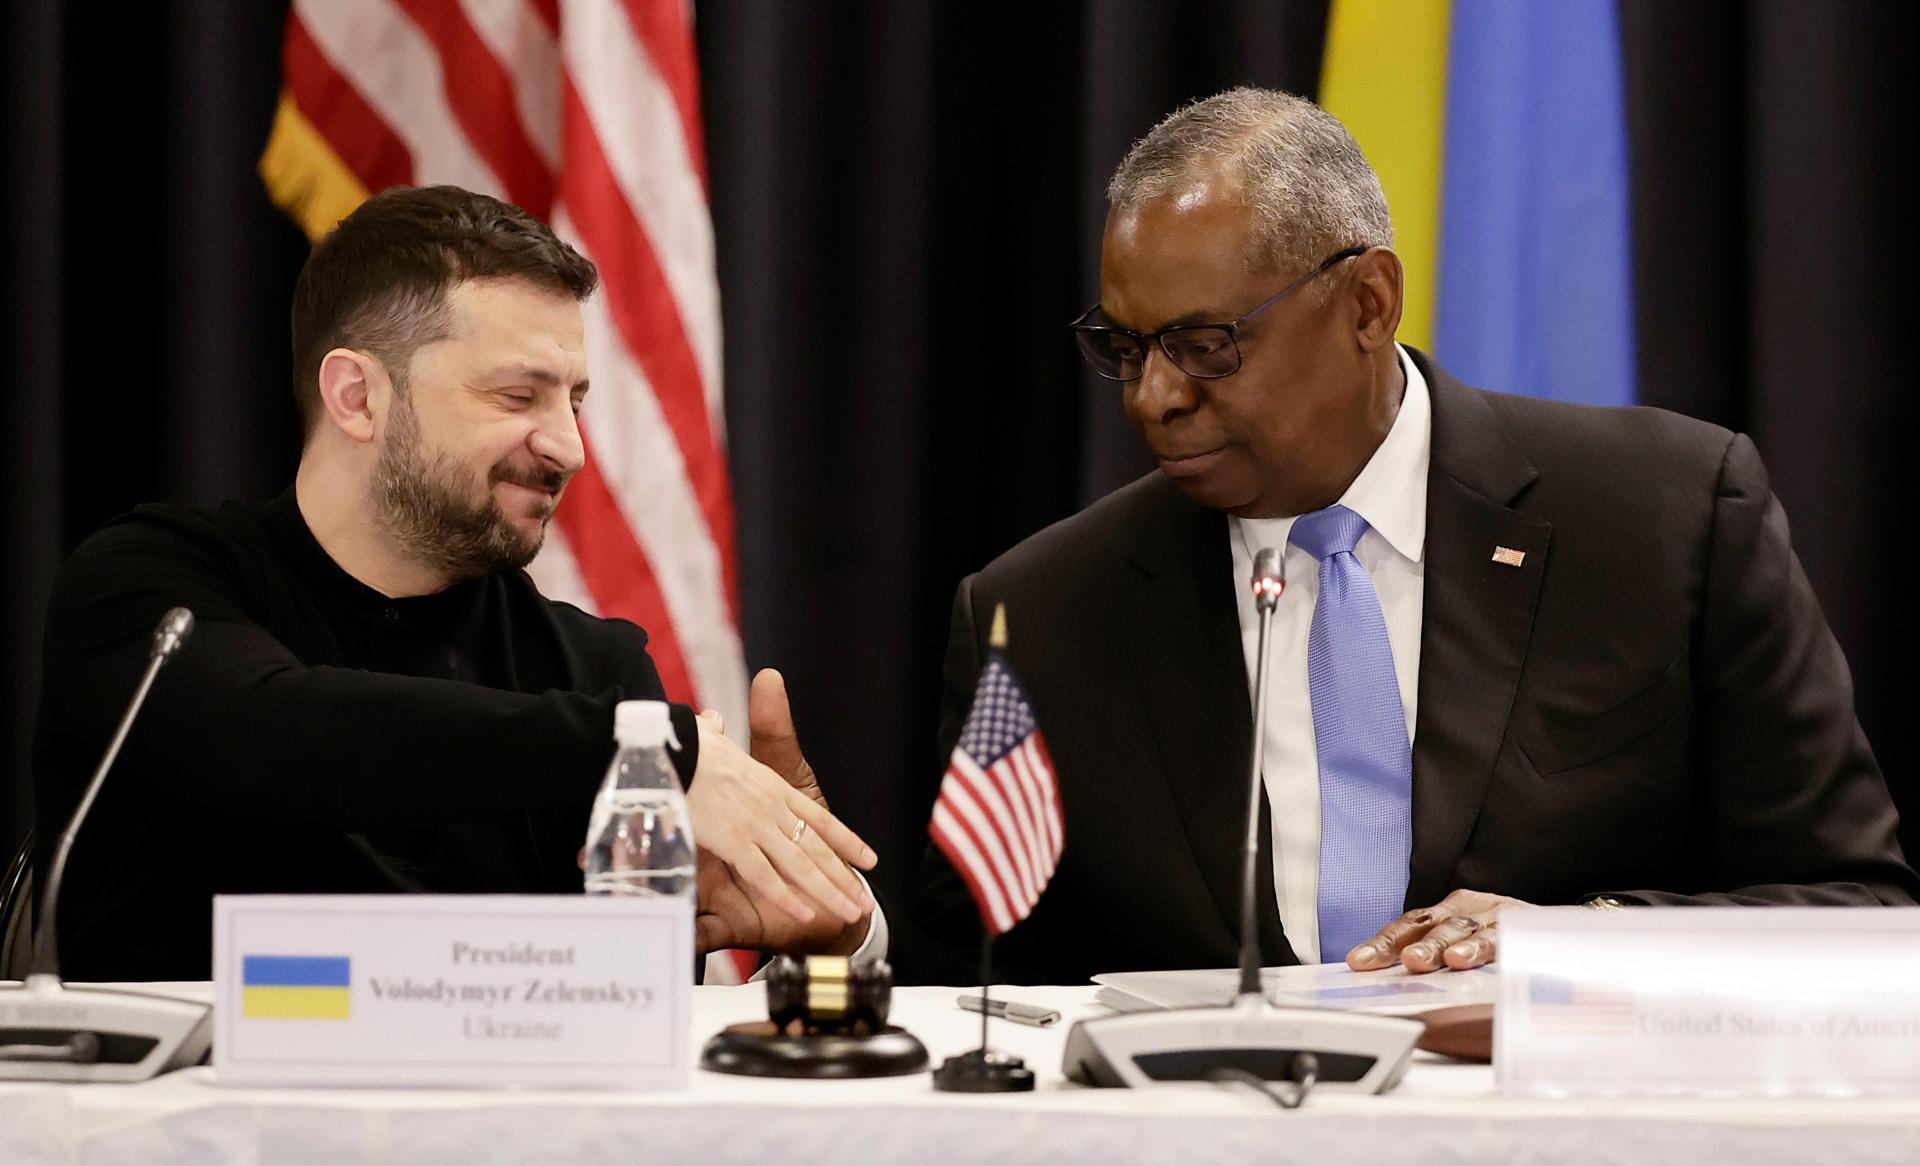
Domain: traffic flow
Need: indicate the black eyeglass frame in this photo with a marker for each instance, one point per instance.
(1232, 327)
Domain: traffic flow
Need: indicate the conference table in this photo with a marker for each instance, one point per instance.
(1443, 1112)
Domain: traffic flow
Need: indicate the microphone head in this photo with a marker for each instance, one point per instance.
(1268, 579)
(175, 627)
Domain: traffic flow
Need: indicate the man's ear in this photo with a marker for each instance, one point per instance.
(1378, 286)
(353, 386)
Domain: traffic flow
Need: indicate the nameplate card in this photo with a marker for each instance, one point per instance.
(1714, 1001)
(558, 991)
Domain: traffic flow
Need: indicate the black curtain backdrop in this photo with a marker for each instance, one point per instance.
(145, 291)
(907, 199)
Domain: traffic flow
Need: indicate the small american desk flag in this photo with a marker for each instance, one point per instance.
(998, 815)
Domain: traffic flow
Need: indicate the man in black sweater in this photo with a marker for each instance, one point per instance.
(376, 697)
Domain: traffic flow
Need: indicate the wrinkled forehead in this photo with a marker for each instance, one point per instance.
(1184, 257)
(495, 308)
(517, 320)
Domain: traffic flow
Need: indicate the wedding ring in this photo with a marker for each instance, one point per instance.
(799, 828)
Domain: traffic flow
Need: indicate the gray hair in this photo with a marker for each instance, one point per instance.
(1300, 172)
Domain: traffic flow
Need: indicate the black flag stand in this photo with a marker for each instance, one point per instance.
(983, 1070)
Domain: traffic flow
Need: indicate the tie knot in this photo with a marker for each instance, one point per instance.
(1324, 533)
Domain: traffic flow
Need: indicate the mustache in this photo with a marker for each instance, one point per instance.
(551, 481)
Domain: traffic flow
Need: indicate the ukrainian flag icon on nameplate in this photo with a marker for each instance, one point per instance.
(296, 987)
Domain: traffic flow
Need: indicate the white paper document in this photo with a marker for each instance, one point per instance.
(1388, 992)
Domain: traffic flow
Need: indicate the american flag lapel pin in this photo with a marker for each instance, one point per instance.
(1508, 557)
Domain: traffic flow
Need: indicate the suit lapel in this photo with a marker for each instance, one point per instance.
(1188, 660)
(1477, 617)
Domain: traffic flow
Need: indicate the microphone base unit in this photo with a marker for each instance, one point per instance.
(1356, 1052)
(50, 1032)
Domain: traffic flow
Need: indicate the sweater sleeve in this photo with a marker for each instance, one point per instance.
(238, 723)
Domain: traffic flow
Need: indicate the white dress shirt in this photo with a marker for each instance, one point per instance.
(1391, 494)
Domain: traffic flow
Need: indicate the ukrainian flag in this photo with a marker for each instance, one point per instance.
(296, 987)
(1498, 129)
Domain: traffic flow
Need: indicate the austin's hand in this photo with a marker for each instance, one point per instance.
(753, 872)
(1461, 931)
(728, 916)
(772, 738)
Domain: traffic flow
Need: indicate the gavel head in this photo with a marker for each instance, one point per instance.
(829, 994)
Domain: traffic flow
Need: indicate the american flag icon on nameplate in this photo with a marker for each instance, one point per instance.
(1561, 1006)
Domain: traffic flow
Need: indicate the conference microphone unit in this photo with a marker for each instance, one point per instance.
(1287, 1052)
(52, 1032)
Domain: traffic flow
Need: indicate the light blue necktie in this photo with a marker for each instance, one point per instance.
(1360, 734)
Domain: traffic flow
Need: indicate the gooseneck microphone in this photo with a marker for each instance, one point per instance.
(1249, 1040)
(168, 638)
(50, 1032)
(1269, 582)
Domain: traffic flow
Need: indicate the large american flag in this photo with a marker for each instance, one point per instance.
(997, 818)
(585, 113)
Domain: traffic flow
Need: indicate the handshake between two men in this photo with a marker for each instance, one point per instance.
(775, 868)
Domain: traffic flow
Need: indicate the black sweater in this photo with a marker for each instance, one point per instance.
(314, 736)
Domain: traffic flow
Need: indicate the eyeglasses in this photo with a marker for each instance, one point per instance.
(1206, 351)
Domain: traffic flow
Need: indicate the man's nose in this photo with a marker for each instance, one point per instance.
(1163, 392)
(557, 441)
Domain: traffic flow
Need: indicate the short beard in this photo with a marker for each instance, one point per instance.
(424, 503)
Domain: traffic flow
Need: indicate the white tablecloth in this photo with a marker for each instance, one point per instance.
(1442, 1113)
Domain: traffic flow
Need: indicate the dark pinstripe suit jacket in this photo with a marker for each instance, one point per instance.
(1650, 705)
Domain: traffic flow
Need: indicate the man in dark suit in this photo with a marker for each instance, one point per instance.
(1527, 651)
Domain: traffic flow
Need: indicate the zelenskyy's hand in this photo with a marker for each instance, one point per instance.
(751, 819)
(1459, 932)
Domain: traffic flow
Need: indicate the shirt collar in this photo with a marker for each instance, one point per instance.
(1391, 491)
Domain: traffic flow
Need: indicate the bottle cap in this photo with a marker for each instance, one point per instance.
(643, 723)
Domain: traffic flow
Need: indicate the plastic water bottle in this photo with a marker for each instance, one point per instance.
(640, 839)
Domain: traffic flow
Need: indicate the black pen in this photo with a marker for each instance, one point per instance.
(1018, 1013)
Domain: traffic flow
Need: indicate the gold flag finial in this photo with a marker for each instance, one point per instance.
(997, 640)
